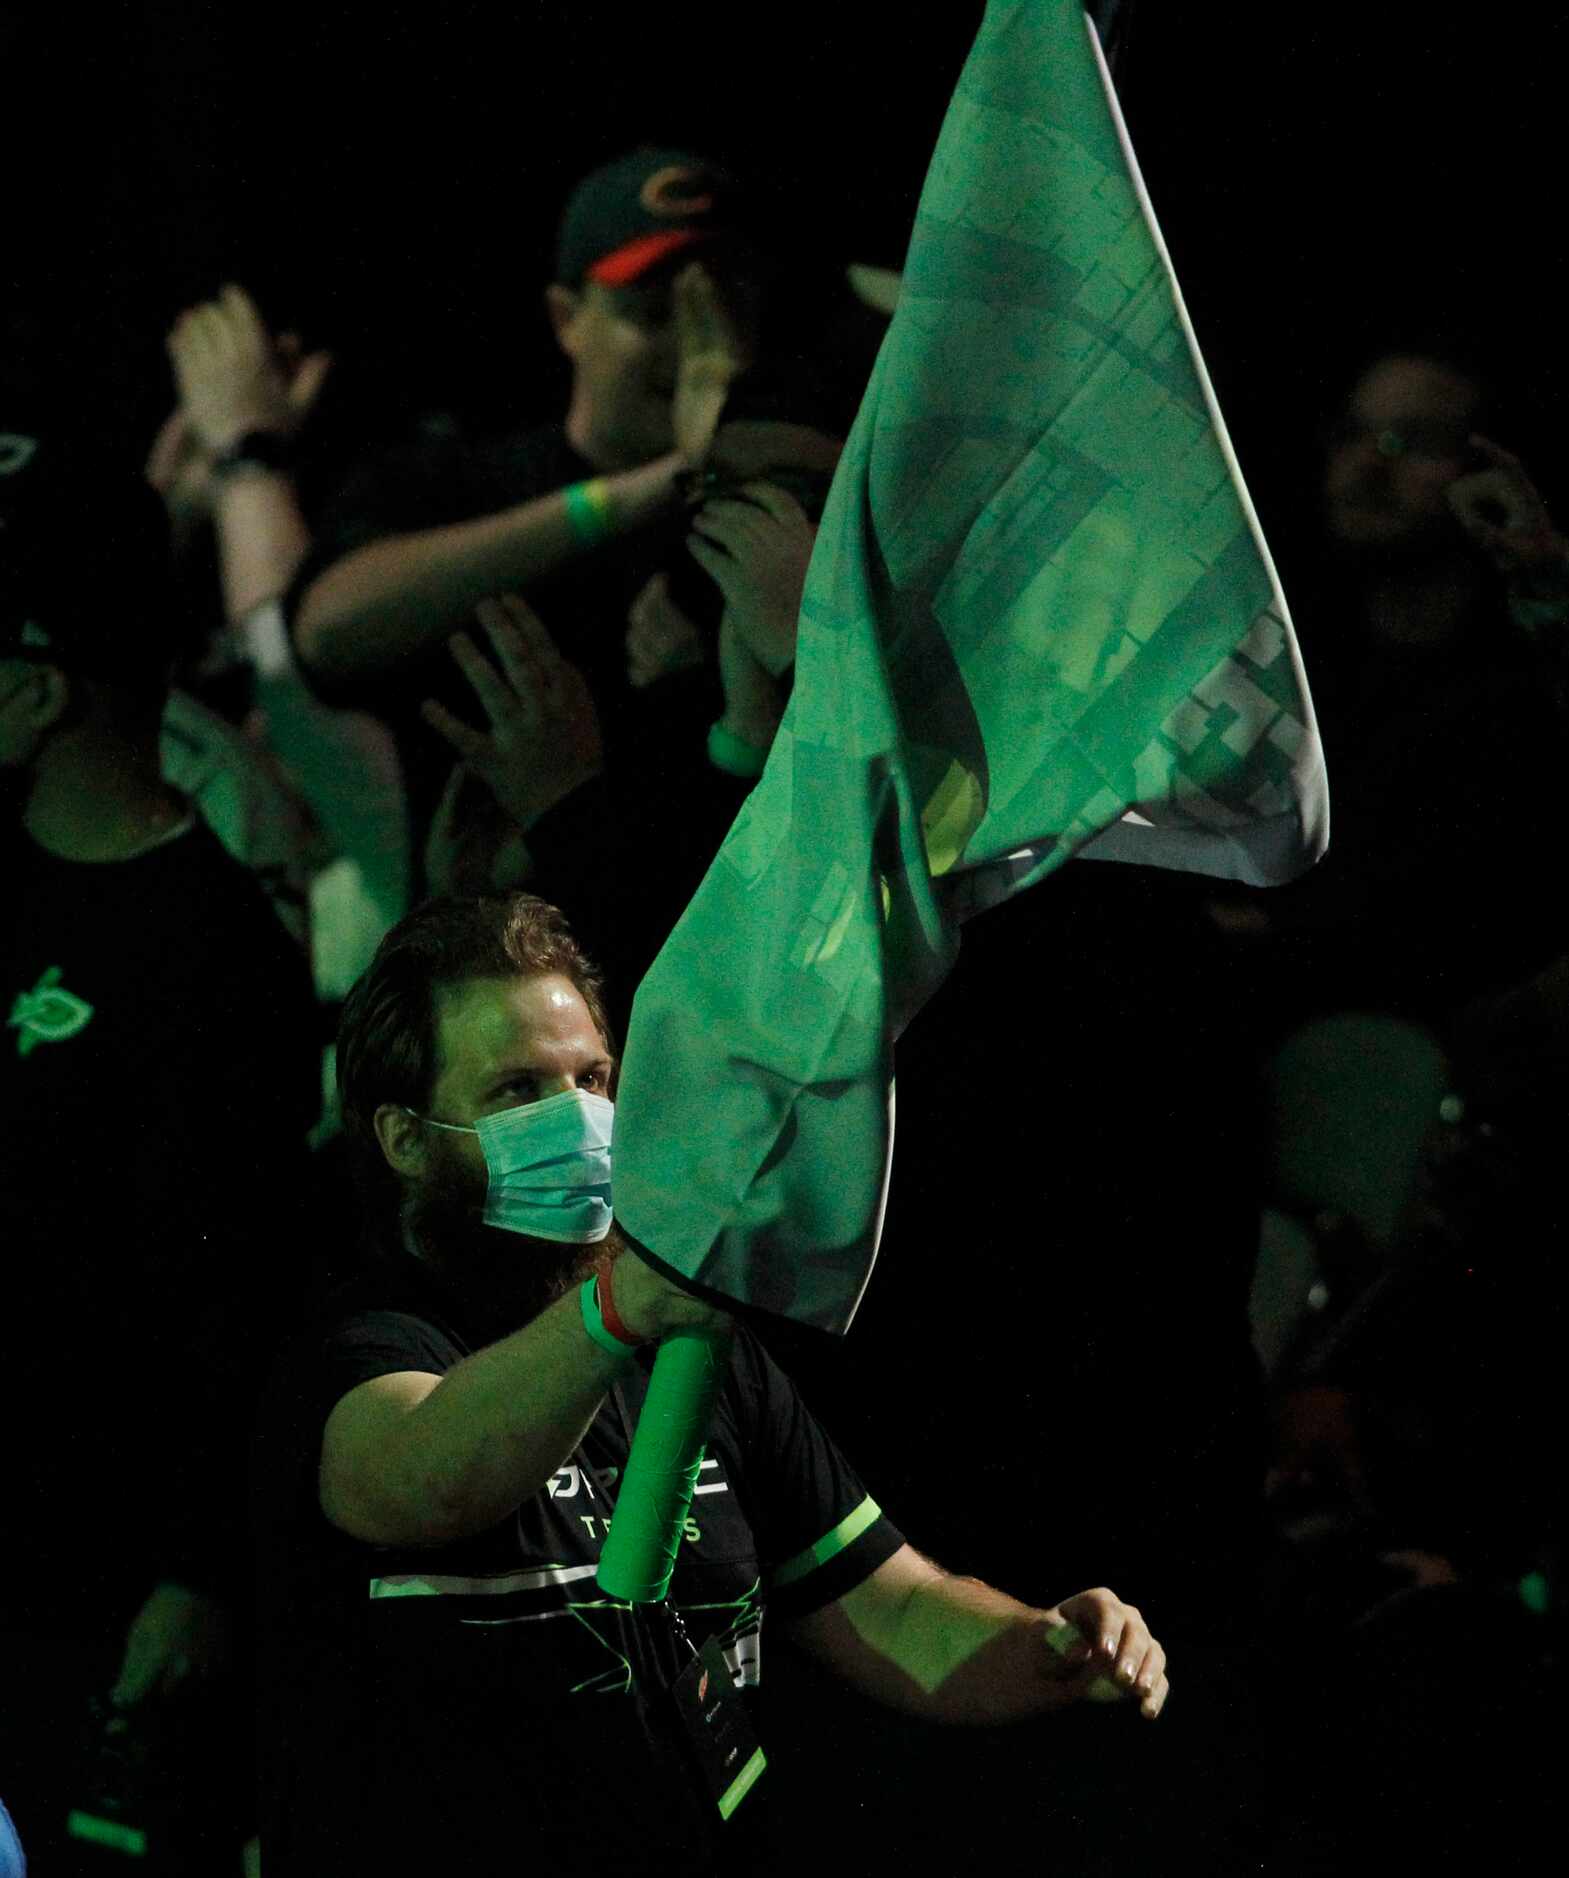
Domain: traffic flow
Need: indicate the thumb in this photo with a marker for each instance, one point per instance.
(651, 595)
(1084, 1675)
(1066, 1641)
(309, 377)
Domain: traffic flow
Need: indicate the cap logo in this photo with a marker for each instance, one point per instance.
(676, 191)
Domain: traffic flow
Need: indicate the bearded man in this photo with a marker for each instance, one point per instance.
(444, 1687)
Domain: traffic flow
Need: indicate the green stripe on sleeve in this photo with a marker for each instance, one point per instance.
(830, 1545)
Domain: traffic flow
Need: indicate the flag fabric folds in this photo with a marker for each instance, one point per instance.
(1040, 621)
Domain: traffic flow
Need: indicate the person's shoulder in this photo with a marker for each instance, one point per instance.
(386, 1316)
(389, 1283)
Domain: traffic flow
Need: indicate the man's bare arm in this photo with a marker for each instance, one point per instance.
(262, 537)
(951, 1649)
(383, 604)
(235, 378)
(417, 1459)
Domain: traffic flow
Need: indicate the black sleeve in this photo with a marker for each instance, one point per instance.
(378, 1343)
(819, 1532)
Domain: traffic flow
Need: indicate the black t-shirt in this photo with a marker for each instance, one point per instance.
(1443, 772)
(446, 477)
(157, 1080)
(480, 1707)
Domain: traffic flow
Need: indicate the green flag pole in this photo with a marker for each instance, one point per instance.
(667, 1450)
(1040, 620)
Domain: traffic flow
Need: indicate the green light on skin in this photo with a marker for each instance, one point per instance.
(1534, 1593)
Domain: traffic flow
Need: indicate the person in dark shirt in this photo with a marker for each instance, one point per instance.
(438, 1458)
(1411, 1411)
(1434, 596)
(157, 1083)
(671, 288)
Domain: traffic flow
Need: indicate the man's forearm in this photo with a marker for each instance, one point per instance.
(499, 1424)
(974, 1654)
(943, 1648)
(262, 538)
(391, 600)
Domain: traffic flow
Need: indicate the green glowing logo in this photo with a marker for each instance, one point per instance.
(46, 1014)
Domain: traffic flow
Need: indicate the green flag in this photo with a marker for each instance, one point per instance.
(1040, 621)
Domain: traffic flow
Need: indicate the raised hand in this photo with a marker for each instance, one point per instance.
(179, 469)
(757, 545)
(1500, 509)
(710, 352)
(660, 637)
(233, 377)
(543, 739)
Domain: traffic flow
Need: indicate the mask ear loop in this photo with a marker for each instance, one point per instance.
(429, 1121)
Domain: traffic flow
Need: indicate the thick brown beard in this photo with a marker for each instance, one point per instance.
(499, 1280)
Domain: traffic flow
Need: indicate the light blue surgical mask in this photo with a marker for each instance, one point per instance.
(549, 1166)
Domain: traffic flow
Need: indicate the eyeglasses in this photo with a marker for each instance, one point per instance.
(1437, 441)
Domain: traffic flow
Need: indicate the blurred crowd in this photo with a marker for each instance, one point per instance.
(257, 704)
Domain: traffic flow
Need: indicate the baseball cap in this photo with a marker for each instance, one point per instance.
(86, 574)
(640, 209)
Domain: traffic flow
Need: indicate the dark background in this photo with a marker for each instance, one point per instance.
(387, 180)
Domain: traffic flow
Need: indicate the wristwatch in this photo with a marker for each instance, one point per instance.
(255, 449)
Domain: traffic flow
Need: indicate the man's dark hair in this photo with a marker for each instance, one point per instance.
(387, 1048)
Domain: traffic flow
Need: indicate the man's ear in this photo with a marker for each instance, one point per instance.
(52, 699)
(563, 306)
(40, 704)
(401, 1139)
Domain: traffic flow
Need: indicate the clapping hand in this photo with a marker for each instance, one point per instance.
(232, 376)
(661, 639)
(710, 351)
(757, 544)
(1500, 509)
(543, 739)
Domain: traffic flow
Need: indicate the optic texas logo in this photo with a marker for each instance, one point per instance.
(47, 1014)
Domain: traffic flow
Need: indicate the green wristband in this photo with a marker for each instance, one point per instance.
(588, 510)
(727, 752)
(594, 1324)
